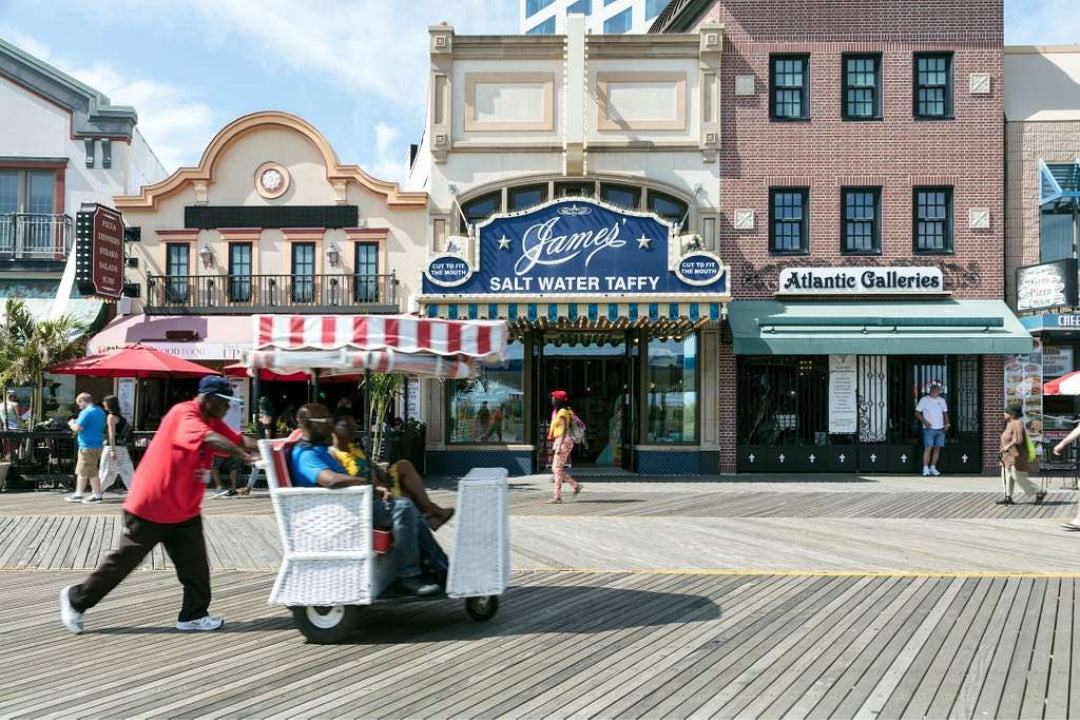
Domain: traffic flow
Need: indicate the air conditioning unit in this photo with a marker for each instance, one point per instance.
(690, 243)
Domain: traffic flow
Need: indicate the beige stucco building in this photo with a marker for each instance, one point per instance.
(269, 222)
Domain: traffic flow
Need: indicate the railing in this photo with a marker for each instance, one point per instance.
(296, 293)
(29, 236)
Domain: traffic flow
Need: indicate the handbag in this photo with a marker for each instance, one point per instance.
(1030, 447)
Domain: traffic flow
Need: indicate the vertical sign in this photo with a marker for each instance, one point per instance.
(99, 251)
(1023, 387)
(125, 393)
(843, 408)
(413, 400)
(237, 411)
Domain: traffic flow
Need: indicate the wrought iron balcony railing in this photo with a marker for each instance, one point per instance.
(208, 294)
(31, 236)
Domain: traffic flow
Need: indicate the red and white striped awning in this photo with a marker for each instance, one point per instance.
(380, 343)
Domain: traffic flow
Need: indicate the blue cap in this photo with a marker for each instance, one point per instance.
(217, 385)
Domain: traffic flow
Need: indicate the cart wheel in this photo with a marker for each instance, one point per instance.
(482, 608)
(325, 624)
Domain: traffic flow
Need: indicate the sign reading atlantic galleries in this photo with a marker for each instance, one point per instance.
(575, 246)
(861, 281)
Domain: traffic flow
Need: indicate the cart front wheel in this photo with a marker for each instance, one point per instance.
(325, 624)
(482, 608)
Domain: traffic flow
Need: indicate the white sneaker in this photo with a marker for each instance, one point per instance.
(203, 624)
(74, 497)
(92, 499)
(69, 616)
(926, 472)
(934, 471)
(219, 493)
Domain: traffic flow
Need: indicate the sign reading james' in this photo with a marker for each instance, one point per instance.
(576, 246)
(99, 251)
(861, 281)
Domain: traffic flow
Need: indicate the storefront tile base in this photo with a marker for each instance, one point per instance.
(687, 462)
(460, 462)
(902, 458)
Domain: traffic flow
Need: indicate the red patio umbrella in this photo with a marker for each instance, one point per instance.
(137, 361)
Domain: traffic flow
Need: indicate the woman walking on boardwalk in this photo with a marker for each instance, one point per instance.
(559, 431)
(116, 455)
(1014, 458)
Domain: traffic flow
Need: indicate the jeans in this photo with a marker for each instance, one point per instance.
(413, 540)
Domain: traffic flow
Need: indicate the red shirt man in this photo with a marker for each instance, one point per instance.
(163, 507)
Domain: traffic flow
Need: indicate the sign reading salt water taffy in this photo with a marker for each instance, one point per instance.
(576, 246)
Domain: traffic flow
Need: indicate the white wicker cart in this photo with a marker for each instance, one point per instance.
(330, 567)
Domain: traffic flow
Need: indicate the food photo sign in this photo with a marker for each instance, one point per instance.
(1023, 387)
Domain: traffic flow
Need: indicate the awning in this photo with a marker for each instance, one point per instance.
(193, 337)
(672, 317)
(940, 327)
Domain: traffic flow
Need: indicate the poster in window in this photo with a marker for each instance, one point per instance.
(1049, 285)
(843, 406)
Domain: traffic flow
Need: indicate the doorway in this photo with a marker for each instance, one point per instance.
(595, 370)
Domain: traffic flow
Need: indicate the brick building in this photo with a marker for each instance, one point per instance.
(861, 214)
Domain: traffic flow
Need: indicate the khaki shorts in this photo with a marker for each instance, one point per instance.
(87, 465)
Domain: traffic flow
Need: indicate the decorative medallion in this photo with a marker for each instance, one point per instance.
(271, 180)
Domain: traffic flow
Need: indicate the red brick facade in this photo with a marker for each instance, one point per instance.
(895, 153)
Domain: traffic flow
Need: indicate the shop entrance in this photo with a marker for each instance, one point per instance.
(596, 371)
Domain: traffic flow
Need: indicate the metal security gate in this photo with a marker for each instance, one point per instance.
(783, 414)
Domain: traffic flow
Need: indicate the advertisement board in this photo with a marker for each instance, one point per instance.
(99, 251)
(1049, 285)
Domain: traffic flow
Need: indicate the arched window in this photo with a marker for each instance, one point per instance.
(624, 196)
(670, 208)
(482, 208)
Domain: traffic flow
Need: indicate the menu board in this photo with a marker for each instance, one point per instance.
(1023, 387)
(843, 407)
(1057, 361)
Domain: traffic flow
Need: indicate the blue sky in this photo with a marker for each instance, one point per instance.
(355, 69)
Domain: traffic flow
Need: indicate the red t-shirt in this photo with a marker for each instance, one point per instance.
(168, 486)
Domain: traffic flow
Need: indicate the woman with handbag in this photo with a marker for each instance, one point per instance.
(1014, 458)
(116, 455)
(559, 431)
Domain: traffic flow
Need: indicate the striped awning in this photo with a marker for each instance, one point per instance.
(381, 343)
(593, 315)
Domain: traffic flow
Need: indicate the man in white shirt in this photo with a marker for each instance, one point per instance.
(933, 413)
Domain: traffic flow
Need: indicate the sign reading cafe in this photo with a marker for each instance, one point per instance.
(576, 246)
(861, 281)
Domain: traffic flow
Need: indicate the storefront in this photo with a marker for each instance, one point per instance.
(603, 303)
(829, 373)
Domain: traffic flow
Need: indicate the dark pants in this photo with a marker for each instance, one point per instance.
(185, 546)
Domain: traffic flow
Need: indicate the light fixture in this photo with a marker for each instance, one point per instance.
(207, 254)
(333, 255)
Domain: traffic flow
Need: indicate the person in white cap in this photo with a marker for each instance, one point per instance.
(164, 507)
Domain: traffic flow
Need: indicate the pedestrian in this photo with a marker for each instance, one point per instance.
(559, 432)
(933, 412)
(1014, 458)
(164, 507)
(1074, 524)
(9, 412)
(220, 467)
(89, 428)
(119, 438)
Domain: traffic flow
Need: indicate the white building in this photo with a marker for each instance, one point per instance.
(608, 17)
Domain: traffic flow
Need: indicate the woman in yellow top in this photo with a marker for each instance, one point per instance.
(559, 431)
(401, 477)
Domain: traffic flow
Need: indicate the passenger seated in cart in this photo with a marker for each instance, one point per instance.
(401, 478)
(312, 465)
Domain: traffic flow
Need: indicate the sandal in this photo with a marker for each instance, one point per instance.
(555, 501)
(437, 521)
(1039, 496)
(577, 489)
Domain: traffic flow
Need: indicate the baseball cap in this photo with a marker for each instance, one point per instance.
(560, 395)
(217, 385)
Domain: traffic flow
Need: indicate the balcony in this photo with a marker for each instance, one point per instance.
(237, 294)
(35, 238)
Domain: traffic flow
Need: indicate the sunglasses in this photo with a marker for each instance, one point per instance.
(320, 420)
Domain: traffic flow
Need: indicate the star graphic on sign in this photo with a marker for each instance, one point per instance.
(504, 243)
(643, 242)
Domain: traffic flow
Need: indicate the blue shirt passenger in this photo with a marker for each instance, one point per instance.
(306, 461)
(91, 432)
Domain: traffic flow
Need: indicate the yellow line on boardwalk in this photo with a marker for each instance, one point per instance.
(795, 573)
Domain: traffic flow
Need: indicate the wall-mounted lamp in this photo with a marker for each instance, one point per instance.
(333, 254)
(207, 254)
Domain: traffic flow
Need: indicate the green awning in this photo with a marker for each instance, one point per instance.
(937, 327)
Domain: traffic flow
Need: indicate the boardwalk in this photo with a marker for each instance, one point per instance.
(874, 599)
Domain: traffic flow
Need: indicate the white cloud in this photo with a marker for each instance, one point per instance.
(1041, 22)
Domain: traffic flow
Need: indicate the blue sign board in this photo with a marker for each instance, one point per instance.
(577, 246)
(1051, 321)
(447, 271)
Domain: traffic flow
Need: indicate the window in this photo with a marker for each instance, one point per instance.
(933, 220)
(545, 28)
(33, 193)
(790, 87)
(480, 209)
(575, 189)
(177, 269)
(366, 288)
(521, 198)
(789, 221)
(534, 6)
(303, 272)
(489, 408)
(862, 87)
(618, 24)
(581, 7)
(672, 392)
(240, 272)
(1059, 211)
(933, 85)
(860, 218)
(624, 196)
(654, 8)
(670, 208)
